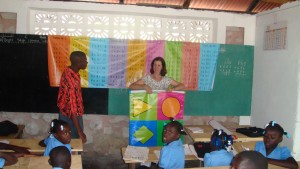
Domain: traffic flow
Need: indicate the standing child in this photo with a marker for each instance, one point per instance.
(60, 135)
(172, 155)
(60, 158)
(220, 155)
(269, 148)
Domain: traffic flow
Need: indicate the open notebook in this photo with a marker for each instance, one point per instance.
(134, 153)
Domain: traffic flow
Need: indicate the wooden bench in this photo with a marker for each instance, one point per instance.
(35, 148)
(38, 162)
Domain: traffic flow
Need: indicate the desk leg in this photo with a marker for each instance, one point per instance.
(131, 166)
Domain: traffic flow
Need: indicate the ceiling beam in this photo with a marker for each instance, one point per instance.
(186, 4)
(252, 6)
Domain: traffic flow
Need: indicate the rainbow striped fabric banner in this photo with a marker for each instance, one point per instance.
(116, 63)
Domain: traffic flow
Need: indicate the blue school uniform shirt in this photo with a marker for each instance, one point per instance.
(279, 153)
(218, 158)
(2, 162)
(51, 142)
(172, 156)
(57, 168)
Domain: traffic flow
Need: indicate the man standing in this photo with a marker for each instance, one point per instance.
(69, 99)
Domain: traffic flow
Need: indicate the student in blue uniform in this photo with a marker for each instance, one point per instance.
(249, 160)
(60, 135)
(172, 155)
(60, 158)
(220, 155)
(269, 148)
(7, 159)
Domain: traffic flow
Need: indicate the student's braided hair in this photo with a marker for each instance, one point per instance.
(276, 126)
(57, 125)
(177, 125)
(220, 139)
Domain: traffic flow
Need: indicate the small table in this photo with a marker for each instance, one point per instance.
(38, 162)
(207, 131)
(35, 148)
(152, 157)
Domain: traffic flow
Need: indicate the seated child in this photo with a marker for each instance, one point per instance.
(172, 155)
(60, 158)
(7, 159)
(249, 160)
(269, 148)
(219, 155)
(60, 135)
(11, 158)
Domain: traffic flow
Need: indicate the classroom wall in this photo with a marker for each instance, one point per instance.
(277, 74)
(106, 134)
(22, 7)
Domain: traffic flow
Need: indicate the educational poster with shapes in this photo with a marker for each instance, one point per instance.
(150, 112)
(117, 63)
(136, 59)
(154, 49)
(81, 44)
(170, 104)
(143, 133)
(143, 106)
(208, 62)
(98, 63)
(58, 57)
(173, 56)
(190, 65)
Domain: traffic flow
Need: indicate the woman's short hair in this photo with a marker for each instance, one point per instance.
(163, 71)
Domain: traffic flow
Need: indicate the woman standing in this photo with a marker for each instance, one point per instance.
(157, 79)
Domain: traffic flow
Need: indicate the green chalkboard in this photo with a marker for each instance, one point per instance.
(231, 94)
(118, 102)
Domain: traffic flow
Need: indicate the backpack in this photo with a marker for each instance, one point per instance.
(7, 127)
(202, 148)
(251, 131)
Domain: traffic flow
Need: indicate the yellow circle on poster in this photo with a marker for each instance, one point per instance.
(170, 107)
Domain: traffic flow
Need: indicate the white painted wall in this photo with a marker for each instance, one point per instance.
(21, 7)
(277, 74)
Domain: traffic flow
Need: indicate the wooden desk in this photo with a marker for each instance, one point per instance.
(238, 146)
(42, 162)
(17, 135)
(270, 166)
(151, 157)
(205, 136)
(34, 147)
